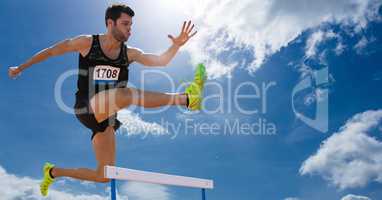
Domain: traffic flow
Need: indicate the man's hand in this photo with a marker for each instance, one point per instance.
(184, 36)
(163, 59)
(14, 72)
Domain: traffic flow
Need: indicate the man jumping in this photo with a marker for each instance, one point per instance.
(102, 86)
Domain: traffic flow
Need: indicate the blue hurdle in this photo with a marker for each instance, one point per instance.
(118, 173)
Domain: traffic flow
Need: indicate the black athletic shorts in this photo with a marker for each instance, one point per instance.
(85, 115)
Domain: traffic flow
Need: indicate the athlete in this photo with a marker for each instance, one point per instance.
(102, 86)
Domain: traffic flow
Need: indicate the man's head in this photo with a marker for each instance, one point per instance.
(118, 19)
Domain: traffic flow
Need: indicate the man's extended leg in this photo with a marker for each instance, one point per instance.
(104, 149)
(107, 103)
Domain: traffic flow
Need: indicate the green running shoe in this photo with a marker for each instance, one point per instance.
(195, 90)
(47, 180)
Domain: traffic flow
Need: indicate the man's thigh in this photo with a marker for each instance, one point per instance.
(107, 103)
(104, 147)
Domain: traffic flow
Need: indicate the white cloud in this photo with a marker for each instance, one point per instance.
(132, 124)
(340, 48)
(362, 44)
(354, 197)
(13, 188)
(349, 158)
(145, 191)
(264, 27)
(292, 198)
(315, 40)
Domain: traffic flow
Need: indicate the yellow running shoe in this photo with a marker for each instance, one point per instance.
(47, 180)
(195, 90)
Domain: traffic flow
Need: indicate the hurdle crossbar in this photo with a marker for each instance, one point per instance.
(118, 173)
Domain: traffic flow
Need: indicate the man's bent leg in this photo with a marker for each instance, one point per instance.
(104, 149)
(106, 103)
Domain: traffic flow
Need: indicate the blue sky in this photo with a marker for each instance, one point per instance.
(254, 43)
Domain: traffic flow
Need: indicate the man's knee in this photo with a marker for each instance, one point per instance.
(102, 180)
(101, 176)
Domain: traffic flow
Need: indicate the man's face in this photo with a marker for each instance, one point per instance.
(122, 27)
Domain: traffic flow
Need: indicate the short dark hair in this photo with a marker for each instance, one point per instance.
(114, 11)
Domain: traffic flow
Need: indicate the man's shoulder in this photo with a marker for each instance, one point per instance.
(133, 53)
(82, 43)
(131, 49)
(84, 39)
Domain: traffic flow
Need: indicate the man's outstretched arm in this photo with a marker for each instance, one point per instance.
(69, 45)
(163, 59)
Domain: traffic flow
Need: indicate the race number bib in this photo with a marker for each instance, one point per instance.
(105, 74)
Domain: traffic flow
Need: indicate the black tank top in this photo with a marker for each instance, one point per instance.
(97, 72)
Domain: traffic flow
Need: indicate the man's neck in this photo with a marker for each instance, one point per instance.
(109, 42)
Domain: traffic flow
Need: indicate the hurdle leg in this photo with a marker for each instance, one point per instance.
(113, 190)
(203, 194)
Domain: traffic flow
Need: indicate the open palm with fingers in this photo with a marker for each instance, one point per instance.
(184, 35)
(13, 72)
